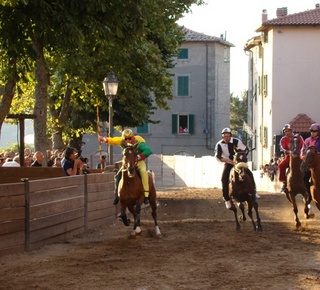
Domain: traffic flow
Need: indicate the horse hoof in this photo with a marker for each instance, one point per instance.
(138, 230)
(310, 216)
(158, 233)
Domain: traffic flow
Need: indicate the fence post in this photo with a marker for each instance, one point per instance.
(85, 202)
(27, 212)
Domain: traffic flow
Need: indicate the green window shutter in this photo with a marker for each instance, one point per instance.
(174, 124)
(184, 53)
(191, 124)
(183, 86)
(143, 129)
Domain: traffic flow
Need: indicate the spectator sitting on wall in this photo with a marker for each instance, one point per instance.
(70, 163)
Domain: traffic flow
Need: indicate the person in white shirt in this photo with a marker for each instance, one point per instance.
(225, 150)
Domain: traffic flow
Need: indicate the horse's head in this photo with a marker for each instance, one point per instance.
(240, 156)
(309, 158)
(240, 163)
(129, 160)
(295, 145)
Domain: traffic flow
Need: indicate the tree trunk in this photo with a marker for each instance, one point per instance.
(7, 93)
(57, 142)
(41, 96)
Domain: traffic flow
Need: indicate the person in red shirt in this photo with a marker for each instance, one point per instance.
(285, 147)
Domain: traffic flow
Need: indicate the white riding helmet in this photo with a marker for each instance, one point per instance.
(226, 130)
(286, 127)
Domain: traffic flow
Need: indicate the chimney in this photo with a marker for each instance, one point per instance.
(282, 12)
(317, 5)
(264, 15)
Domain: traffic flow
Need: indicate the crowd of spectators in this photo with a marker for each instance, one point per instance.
(12, 159)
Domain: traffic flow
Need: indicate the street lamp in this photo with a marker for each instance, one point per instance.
(110, 86)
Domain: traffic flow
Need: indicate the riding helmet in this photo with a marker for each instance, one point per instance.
(225, 130)
(315, 127)
(127, 133)
(286, 127)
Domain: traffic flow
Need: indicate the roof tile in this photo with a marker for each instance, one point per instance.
(190, 35)
(306, 18)
(301, 123)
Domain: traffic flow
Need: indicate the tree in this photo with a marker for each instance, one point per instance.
(73, 44)
(238, 113)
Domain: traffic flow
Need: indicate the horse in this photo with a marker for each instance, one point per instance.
(295, 183)
(131, 191)
(311, 160)
(242, 189)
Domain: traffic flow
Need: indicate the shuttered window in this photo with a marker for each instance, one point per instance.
(183, 54)
(144, 129)
(183, 86)
(183, 124)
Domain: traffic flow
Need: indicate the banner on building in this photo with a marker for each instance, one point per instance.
(246, 128)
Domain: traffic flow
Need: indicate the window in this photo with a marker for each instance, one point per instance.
(144, 129)
(183, 54)
(183, 124)
(265, 85)
(265, 137)
(183, 86)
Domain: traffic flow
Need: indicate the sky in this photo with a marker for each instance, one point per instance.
(238, 20)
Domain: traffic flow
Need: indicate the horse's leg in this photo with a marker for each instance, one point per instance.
(258, 225)
(250, 206)
(123, 215)
(153, 205)
(136, 214)
(241, 206)
(307, 206)
(234, 209)
(295, 210)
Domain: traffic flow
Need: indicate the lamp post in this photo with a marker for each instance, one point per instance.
(110, 86)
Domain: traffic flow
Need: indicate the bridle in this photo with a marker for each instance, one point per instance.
(127, 163)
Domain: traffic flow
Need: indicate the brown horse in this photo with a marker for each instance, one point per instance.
(131, 191)
(311, 160)
(242, 189)
(295, 184)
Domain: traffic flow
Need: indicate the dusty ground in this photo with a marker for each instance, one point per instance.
(199, 249)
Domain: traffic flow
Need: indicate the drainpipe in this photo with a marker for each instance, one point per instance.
(262, 104)
(207, 98)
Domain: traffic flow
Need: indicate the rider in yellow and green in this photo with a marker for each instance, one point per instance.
(143, 151)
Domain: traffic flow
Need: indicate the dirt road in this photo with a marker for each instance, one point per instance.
(199, 249)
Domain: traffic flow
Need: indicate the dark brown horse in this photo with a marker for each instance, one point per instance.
(295, 183)
(131, 191)
(311, 160)
(242, 190)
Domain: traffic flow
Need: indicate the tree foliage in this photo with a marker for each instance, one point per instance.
(62, 50)
(238, 113)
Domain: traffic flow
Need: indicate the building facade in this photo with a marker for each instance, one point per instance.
(200, 108)
(284, 65)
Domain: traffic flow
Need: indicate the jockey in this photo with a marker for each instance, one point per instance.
(225, 150)
(285, 147)
(313, 140)
(143, 151)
